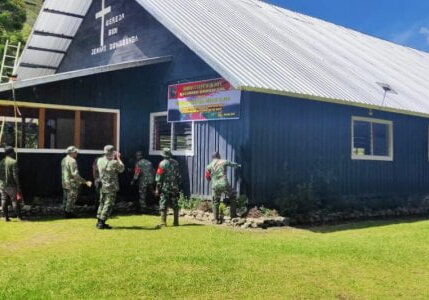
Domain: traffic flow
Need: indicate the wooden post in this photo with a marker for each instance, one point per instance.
(77, 128)
(42, 121)
(115, 131)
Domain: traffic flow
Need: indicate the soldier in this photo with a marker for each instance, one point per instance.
(109, 166)
(97, 181)
(167, 186)
(144, 174)
(10, 188)
(216, 173)
(71, 181)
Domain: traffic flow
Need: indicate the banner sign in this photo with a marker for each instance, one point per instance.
(213, 99)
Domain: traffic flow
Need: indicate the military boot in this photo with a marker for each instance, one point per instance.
(99, 224)
(176, 217)
(6, 213)
(106, 226)
(163, 218)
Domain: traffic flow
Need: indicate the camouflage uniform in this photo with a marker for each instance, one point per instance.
(71, 182)
(144, 173)
(216, 173)
(9, 186)
(109, 171)
(168, 180)
(97, 180)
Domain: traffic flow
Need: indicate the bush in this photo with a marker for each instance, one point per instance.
(304, 193)
(205, 206)
(189, 203)
(266, 212)
(242, 202)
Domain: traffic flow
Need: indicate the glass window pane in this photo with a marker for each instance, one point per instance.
(161, 134)
(59, 129)
(380, 133)
(96, 130)
(182, 136)
(361, 138)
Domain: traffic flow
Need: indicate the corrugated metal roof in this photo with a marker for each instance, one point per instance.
(261, 47)
(52, 33)
(258, 46)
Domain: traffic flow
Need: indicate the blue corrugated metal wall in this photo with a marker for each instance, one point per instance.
(310, 136)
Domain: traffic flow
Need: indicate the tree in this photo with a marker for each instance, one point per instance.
(12, 19)
(12, 15)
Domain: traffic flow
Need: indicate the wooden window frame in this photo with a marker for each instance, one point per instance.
(77, 109)
(388, 157)
(174, 152)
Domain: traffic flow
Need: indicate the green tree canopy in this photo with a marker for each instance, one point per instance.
(12, 15)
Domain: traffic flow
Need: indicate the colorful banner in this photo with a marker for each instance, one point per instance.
(213, 99)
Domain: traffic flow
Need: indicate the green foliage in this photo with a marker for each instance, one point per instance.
(16, 20)
(12, 15)
(70, 259)
(189, 203)
(267, 212)
(302, 194)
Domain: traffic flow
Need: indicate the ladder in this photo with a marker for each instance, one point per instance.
(9, 61)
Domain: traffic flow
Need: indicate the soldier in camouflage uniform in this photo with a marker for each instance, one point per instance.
(10, 188)
(216, 173)
(144, 175)
(71, 181)
(97, 181)
(167, 186)
(109, 166)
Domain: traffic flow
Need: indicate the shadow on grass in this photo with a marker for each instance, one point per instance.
(356, 225)
(135, 228)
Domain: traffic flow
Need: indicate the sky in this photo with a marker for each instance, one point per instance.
(404, 22)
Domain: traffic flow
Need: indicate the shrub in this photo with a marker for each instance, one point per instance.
(205, 206)
(266, 212)
(189, 203)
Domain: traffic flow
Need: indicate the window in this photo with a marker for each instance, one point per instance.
(52, 128)
(372, 139)
(97, 129)
(177, 136)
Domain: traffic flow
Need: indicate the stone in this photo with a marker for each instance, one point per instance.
(246, 225)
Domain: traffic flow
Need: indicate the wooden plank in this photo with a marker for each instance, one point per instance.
(42, 121)
(77, 128)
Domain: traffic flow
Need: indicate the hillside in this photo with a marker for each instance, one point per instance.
(32, 9)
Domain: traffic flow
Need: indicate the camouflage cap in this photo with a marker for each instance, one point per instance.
(72, 149)
(108, 149)
(166, 152)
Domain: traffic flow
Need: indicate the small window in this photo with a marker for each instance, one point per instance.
(372, 139)
(177, 136)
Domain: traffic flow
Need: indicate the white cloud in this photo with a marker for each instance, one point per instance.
(425, 31)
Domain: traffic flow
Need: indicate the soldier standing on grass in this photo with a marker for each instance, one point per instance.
(97, 181)
(71, 181)
(109, 166)
(216, 173)
(167, 186)
(10, 188)
(144, 175)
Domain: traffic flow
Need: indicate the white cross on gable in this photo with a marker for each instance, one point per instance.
(102, 14)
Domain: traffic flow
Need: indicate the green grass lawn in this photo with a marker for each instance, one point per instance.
(71, 259)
